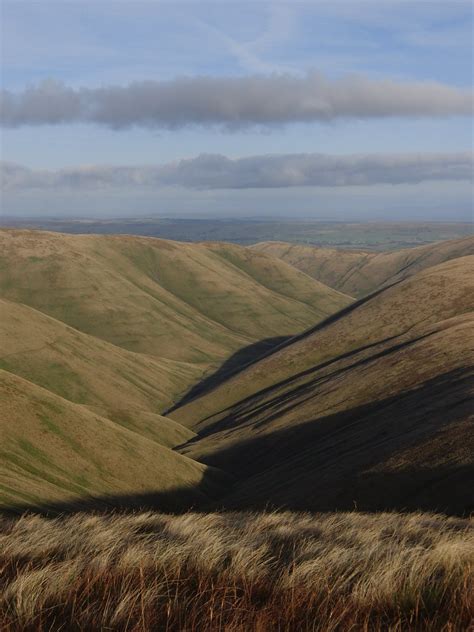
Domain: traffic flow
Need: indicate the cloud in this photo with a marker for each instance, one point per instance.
(231, 102)
(247, 54)
(213, 172)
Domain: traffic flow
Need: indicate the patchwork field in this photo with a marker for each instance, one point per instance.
(372, 235)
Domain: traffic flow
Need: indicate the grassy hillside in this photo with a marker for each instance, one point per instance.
(100, 334)
(106, 332)
(184, 302)
(237, 571)
(437, 294)
(358, 273)
(53, 451)
(85, 369)
(358, 410)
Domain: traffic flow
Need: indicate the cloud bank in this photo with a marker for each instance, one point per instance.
(213, 172)
(232, 102)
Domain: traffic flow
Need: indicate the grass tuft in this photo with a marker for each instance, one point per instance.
(236, 572)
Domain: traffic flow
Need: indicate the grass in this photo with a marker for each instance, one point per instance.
(171, 300)
(236, 572)
(57, 451)
(358, 273)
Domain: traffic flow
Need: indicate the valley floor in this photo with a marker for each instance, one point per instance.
(236, 572)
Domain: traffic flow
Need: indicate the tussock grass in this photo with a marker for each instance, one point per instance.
(236, 572)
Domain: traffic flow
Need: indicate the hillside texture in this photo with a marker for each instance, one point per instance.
(100, 334)
(358, 273)
(372, 408)
(282, 391)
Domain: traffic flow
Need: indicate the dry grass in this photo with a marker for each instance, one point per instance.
(358, 273)
(236, 572)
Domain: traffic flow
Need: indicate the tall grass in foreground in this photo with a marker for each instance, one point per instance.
(236, 572)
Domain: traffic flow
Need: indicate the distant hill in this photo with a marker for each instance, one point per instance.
(370, 235)
(372, 408)
(358, 273)
(186, 302)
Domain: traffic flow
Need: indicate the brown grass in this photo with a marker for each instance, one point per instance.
(358, 273)
(236, 572)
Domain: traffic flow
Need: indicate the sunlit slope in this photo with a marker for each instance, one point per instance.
(437, 294)
(185, 302)
(358, 273)
(85, 369)
(53, 451)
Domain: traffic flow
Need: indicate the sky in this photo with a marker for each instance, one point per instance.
(342, 109)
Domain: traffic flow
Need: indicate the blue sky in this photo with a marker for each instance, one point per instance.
(93, 45)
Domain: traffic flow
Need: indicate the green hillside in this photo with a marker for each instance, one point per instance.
(53, 451)
(358, 273)
(100, 334)
(184, 302)
(284, 391)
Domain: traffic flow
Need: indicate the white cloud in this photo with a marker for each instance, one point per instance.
(214, 171)
(233, 102)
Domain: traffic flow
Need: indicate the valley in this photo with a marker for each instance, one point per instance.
(182, 423)
(235, 377)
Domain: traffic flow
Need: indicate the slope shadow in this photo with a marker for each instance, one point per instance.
(338, 462)
(262, 349)
(179, 500)
(334, 463)
(238, 413)
(233, 365)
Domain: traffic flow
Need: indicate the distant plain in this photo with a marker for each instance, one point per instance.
(371, 235)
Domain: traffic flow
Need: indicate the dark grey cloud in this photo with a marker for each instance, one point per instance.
(231, 101)
(214, 172)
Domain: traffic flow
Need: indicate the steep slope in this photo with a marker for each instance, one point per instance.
(100, 334)
(85, 369)
(358, 273)
(53, 451)
(373, 407)
(184, 302)
(437, 294)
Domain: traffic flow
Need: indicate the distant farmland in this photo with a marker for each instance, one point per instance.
(365, 235)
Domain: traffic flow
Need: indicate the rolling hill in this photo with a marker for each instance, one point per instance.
(186, 302)
(372, 408)
(83, 368)
(300, 396)
(55, 452)
(100, 334)
(358, 273)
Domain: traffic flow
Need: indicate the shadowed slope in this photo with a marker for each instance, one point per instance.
(358, 273)
(356, 409)
(392, 429)
(437, 294)
(54, 451)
